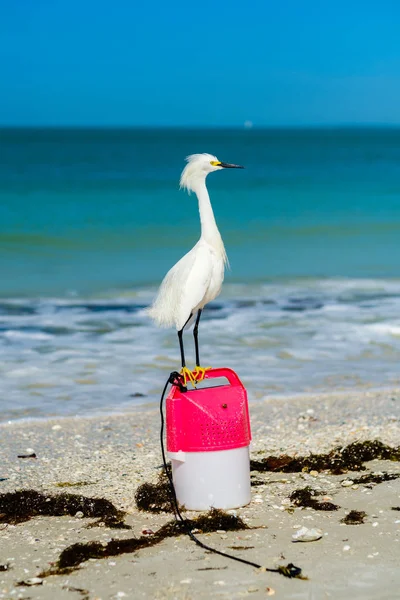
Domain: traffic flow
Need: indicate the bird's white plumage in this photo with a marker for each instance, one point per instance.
(197, 168)
(197, 277)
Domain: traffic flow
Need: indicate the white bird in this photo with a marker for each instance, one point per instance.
(197, 278)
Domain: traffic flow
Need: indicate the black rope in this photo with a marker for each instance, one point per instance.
(288, 571)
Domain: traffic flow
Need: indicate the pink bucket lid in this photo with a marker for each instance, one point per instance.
(207, 419)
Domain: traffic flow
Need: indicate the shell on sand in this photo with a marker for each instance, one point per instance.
(307, 535)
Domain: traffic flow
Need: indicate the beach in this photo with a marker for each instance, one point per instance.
(111, 456)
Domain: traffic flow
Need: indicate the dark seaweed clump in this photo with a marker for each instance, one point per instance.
(154, 497)
(355, 517)
(395, 507)
(20, 506)
(74, 555)
(337, 461)
(307, 497)
(376, 478)
(256, 482)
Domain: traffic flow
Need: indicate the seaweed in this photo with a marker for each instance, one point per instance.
(213, 520)
(337, 461)
(4, 567)
(241, 547)
(256, 482)
(355, 517)
(212, 569)
(76, 554)
(64, 484)
(307, 497)
(154, 497)
(17, 507)
(395, 507)
(376, 478)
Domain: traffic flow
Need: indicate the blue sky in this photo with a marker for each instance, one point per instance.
(176, 62)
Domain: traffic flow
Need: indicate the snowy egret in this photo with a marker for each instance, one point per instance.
(197, 278)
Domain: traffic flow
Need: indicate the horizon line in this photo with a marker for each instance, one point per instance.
(206, 127)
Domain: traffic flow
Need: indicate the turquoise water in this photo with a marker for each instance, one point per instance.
(90, 221)
(84, 211)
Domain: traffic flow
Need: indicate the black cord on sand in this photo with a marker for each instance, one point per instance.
(288, 571)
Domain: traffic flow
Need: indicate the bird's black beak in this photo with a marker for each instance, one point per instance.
(229, 166)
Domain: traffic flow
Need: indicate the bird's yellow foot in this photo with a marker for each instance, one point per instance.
(188, 376)
(199, 373)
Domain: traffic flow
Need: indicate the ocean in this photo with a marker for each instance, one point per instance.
(91, 220)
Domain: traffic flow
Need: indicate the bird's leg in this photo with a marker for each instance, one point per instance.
(180, 338)
(199, 371)
(196, 337)
(185, 372)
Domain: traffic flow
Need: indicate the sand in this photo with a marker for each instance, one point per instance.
(110, 456)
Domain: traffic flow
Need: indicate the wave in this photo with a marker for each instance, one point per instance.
(78, 355)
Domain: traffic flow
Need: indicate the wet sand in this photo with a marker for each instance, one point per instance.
(111, 456)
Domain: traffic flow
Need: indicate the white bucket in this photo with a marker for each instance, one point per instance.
(215, 479)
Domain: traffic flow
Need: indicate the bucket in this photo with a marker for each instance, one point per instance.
(208, 439)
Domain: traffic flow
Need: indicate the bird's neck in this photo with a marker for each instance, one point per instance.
(209, 229)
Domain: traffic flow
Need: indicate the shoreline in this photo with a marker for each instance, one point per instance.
(110, 456)
(150, 405)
